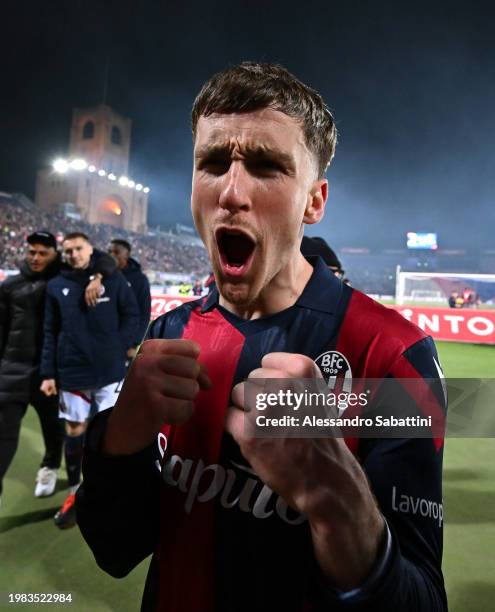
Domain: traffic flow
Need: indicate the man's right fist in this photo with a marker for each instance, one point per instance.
(49, 387)
(159, 389)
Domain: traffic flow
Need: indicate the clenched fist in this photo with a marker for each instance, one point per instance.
(318, 477)
(49, 387)
(159, 389)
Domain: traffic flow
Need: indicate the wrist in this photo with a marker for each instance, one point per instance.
(97, 276)
(379, 574)
(125, 435)
(347, 547)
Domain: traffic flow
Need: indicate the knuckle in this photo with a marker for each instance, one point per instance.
(302, 365)
(188, 389)
(147, 344)
(195, 388)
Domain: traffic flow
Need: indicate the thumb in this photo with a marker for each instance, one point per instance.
(296, 365)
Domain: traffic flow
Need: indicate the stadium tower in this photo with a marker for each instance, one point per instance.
(93, 183)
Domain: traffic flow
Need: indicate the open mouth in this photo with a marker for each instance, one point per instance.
(236, 250)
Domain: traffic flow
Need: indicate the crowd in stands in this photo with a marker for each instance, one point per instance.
(163, 252)
(155, 251)
(371, 280)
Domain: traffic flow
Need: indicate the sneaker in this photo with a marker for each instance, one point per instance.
(46, 479)
(66, 516)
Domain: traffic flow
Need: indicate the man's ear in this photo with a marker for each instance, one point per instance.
(315, 204)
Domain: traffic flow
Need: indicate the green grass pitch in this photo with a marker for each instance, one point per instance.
(36, 557)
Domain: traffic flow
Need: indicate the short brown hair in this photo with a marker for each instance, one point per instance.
(73, 235)
(252, 86)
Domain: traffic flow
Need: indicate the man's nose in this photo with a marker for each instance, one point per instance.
(236, 189)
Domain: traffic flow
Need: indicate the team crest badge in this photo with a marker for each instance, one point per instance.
(65, 291)
(337, 372)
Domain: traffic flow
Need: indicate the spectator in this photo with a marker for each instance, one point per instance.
(197, 288)
(156, 251)
(185, 289)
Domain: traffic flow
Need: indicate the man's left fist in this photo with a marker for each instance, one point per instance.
(318, 477)
(281, 463)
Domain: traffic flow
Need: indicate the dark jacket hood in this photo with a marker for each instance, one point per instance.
(133, 265)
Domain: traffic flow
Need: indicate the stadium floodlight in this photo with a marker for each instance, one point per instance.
(91, 168)
(112, 177)
(101, 173)
(146, 190)
(78, 164)
(130, 184)
(60, 165)
(123, 180)
(139, 187)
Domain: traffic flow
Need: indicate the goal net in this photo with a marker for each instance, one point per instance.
(445, 289)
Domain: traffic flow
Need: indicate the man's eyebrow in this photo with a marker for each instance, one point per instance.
(251, 151)
(271, 153)
(210, 150)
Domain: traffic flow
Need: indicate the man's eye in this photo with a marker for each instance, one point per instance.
(215, 166)
(265, 167)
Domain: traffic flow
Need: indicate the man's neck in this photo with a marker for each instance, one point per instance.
(281, 293)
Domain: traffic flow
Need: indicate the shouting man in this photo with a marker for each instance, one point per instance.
(234, 521)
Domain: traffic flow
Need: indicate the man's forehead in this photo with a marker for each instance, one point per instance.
(38, 246)
(74, 243)
(266, 128)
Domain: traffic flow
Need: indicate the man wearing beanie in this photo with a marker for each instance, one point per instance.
(318, 246)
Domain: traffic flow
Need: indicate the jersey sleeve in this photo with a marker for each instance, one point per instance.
(405, 476)
(118, 502)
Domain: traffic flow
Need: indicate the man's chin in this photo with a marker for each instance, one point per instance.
(239, 294)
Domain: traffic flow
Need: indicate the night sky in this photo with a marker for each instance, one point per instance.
(412, 87)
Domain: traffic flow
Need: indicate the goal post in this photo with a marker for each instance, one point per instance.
(435, 289)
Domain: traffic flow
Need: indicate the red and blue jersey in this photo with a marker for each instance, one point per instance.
(221, 539)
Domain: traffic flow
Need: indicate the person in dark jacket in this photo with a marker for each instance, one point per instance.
(120, 250)
(84, 350)
(22, 301)
(197, 288)
(318, 246)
